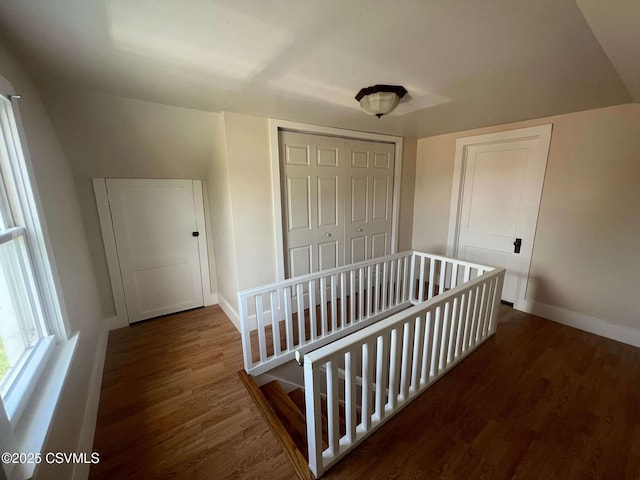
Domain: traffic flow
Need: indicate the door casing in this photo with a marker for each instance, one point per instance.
(543, 134)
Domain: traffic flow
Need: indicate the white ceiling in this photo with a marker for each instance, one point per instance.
(465, 63)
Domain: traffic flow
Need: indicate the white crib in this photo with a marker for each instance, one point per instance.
(373, 335)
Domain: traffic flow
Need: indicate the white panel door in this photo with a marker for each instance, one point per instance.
(154, 223)
(501, 188)
(369, 209)
(313, 196)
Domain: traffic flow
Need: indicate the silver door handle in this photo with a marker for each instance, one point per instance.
(328, 234)
(359, 229)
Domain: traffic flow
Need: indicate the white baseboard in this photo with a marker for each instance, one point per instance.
(85, 444)
(229, 311)
(581, 321)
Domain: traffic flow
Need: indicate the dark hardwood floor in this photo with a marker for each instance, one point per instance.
(537, 401)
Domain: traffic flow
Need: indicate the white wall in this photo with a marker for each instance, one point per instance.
(222, 220)
(243, 203)
(116, 137)
(69, 250)
(585, 260)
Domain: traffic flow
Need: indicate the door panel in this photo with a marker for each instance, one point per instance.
(328, 255)
(153, 221)
(359, 199)
(299, 203)
(328, 201)
(379, 245)
(358, 249)
(381, 197)
(300, 260)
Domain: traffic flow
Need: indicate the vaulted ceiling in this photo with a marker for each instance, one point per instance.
(465, 64)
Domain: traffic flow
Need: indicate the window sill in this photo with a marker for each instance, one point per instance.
(35, 423)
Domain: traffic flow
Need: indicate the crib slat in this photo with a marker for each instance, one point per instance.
(427, 347)
(288, 317)
(394, 365)
(333, 415)
(405, 370)
(421, 280)
(432, 270)
(350, 399)
(445, 335)
(334, 312)
(360, 293)
(352, 297)
(486, 312)
(323, 304)
(454, 275)
(246, 333)
(313, 321)
(392, 283)
(407, 291)
(461, 323)
(301, 321)
(418, 340)
(468, 320)
(437, 334)
(381, 375)
(474, 316)
(343, 300)
(369, 295)
(411, 280)
(376, 289)
(367, 387)
(275, 323)
(385, 289)
(399, 280)
(262, 341)
(443, 276)
(455, 305)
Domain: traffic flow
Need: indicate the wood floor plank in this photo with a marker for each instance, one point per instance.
(537, 401)
(172, 406)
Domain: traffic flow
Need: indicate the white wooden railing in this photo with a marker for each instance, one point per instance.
(276, 320)
(375, 372)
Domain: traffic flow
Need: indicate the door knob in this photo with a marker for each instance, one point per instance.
(517, 244)
(359, 229)
(328, 234)
(195, 234)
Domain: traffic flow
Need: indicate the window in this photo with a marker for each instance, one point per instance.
(27, 308)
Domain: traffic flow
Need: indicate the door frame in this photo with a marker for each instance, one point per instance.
(121, 318)
(540, 132)
(275, 126)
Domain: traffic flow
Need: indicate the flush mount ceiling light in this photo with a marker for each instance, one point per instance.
(380, 99)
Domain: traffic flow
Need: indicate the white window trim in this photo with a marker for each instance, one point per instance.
(25, 422)
(39, 244)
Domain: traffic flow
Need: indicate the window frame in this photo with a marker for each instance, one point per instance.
(18, 192)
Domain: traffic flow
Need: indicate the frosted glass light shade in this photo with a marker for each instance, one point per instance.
(380, 103)
(380, 99)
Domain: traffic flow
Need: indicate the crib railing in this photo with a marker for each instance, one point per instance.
(375, 372)
(312, 310)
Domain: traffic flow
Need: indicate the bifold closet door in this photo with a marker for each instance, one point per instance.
(312, 182)
(337, 198)
(156, 233)
(369, 213)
